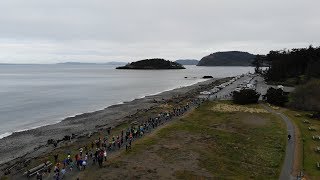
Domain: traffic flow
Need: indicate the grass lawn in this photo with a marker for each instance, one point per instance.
(310, 156)
(210, 142)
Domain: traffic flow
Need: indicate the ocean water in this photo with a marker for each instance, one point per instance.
(35, 95)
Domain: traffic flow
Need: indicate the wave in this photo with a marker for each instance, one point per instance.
(5, 135)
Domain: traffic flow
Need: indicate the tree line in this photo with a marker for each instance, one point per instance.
(301, 64)
(297, 67)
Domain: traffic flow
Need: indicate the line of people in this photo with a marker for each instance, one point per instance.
(100, 147)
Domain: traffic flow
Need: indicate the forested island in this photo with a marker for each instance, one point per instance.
(155, 63)
(228, 58)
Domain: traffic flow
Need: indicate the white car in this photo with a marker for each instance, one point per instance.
(214, 90)
(205, 93)
(280, 87)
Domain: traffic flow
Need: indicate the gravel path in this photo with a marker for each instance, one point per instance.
(287, 167)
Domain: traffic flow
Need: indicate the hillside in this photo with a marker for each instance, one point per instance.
(187, 61)
(228, 58)
(152, 64)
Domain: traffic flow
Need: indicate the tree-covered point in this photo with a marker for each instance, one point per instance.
(297, 65)
(155, 63)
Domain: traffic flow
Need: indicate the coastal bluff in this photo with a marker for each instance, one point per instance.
(155, 63)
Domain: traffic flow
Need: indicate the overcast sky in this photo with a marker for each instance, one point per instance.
(50, 31)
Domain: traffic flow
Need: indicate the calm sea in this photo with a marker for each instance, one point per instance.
(37, 95)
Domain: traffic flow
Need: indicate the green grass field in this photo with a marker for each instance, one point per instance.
(205, 144)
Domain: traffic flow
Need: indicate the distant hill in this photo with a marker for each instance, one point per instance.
(228, 58)
(152, 64)
(86, 63)
(76, 63)
(116, 63)
(187, 61)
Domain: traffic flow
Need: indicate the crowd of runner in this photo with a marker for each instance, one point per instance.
(97, 152)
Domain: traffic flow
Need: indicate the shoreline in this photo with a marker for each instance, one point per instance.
(7, 134)
(29, 144)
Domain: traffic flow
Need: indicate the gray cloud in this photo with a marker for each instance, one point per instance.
(49, 31)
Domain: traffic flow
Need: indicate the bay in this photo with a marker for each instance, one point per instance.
(35, 95)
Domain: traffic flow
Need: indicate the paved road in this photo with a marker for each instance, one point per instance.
(287, 167)
(261, 87)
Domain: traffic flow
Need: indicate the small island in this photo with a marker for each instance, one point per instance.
(155, 63)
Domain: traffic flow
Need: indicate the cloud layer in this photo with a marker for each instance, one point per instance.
(50, 31)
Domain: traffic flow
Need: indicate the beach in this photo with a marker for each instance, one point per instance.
(29, 144)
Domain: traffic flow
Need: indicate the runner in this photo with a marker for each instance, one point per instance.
(105, 155)
(84, 164)
(55, 158)
(39, 176)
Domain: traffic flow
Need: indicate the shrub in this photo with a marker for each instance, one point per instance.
(50, 141)
(245, 96)
(314, 115)
(306, 97)
(276, 96)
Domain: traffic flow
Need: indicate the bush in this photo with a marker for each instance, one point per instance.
(50, 141)
(307, 96)
(276, 96)
(245, 96)
(314, 115)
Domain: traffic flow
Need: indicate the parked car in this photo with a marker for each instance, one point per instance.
(205, 93)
